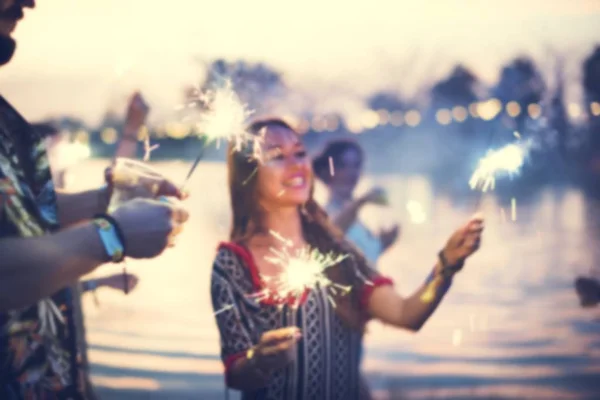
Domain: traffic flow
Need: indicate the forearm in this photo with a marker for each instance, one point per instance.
(411, 312)
(422, 304)
(78, 207)
(347, 215)
(89, 285)
(243, 375)
(128, 143)
(34, 268)
(127, 148)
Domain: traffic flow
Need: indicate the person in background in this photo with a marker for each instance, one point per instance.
(339, 166)
(588, 291)
(49, 238)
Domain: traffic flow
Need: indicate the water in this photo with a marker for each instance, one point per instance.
(511, 326)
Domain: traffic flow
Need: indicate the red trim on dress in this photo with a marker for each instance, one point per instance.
(258, 283)
(246, 256)
(229, 362)
(368, 289)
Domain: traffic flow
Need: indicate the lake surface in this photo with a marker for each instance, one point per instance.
(511, 327)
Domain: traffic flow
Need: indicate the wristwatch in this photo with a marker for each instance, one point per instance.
(110, 239)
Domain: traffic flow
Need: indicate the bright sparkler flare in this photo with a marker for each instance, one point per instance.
(226, 117)
(509, 160)
(301, 271)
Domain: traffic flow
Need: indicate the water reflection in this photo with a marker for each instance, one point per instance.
(511, 326)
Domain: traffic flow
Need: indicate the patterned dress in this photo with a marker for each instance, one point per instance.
(37, 347)
(327, 364)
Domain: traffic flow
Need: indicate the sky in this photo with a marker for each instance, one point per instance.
(79, 56)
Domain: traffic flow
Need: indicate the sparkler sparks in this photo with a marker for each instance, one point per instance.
(148, 148)
(225, 308)
(301, 271)
(509, 160)
(331, 168)
(513, 209)
(226, 117)
(416, 212)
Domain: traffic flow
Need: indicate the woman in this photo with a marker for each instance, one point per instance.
(339, 167)
(270, 349)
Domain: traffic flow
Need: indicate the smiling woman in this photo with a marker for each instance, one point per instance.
(278, 346)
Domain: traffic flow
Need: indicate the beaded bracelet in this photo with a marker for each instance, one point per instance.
(448, 271)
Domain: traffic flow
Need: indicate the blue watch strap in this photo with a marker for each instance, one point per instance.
(110, 239)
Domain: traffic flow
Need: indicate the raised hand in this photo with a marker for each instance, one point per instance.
(465, 241)
(376, 196)
(389, 236)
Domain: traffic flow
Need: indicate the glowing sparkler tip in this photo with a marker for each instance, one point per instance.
(509, 160)
(301, 271)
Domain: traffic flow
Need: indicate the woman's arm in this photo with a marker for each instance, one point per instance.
(348, 214)
(411, 312)
(346, 217)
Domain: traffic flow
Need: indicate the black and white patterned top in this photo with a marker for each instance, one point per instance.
(327, 361)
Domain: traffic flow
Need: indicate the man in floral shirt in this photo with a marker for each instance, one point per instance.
(40, 258)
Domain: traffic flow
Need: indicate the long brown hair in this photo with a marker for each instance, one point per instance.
(317, 229)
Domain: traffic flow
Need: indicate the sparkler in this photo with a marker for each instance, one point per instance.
(148, 148)
(301, 271)
(224, 119)
(507, 160)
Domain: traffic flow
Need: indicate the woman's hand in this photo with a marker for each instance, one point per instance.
(375, 196)
(464, 242)
(277, 348)
(117, 282)
(389, 236)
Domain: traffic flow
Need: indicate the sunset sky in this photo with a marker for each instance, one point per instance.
(75, 56)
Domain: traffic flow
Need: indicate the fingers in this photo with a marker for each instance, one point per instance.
(168, 188)
(132, 281)
(179, 215)
(473, 243)
(280, 335)
(277, 349)
(176, 229)
(477, 218)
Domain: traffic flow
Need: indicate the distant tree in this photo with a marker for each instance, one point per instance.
(557, 114)
(591, 76)
(521, 82)
(458, 89)
(386, 101)
(254, 83)
(591, 89)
